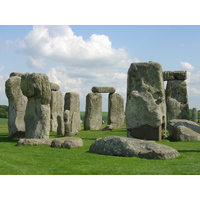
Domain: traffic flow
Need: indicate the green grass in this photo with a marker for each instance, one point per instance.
(43, 160)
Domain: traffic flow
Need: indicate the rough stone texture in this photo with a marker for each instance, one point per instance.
(145, 106)
(194, 115)
(57, 122)
(16, 74)
(103, 89)
(93, 113)
(34, 141)
(37, 118)
(177, 100)
(174, 75)
(54, 87)
(184, 130)
(115, 111)
(67, 142)
(71, 122)
(17, 107)
(72, 117)
(128, 147)
(72, 102)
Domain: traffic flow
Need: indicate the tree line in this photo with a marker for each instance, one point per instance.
(3, 111)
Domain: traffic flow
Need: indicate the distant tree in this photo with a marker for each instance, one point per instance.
(3, 111)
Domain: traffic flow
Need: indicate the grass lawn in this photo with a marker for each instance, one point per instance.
(44, 160)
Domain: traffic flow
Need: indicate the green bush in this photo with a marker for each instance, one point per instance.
(3, 111)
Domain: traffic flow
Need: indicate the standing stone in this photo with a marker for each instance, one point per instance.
(115, 111)
(177, 100)
(17, 106)
(72, 113)
(93, 114)
(145, 106)
(194, 115)
(37, 118)
(57, 123)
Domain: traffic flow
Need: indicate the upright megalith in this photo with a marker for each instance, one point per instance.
(37, 117)
(72, 113)
(145, 105)
(93, 113)
(17, 106)
(57, 122)
(115, 111)
(177, 100)
(194, 115)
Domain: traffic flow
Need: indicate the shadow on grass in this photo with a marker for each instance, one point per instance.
(5, 138)
(192, 151)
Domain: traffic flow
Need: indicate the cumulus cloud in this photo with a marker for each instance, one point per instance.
(60, 44)
(187, 66)
(35, 63)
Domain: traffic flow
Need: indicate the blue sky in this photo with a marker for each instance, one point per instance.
(79, 57)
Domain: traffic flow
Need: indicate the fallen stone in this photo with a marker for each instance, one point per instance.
(34, 141)
(174, 75)
(67, 142)
(184, 130)
(128, 147)
(103, 89)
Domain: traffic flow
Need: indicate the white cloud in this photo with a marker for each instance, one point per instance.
(194, 91)
(187, 66)
(60, 44)
(35, 63)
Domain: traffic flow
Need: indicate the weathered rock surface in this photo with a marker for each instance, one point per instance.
(103, 89)
(15, 74)
(17, 106)
(56, 105)
(194, 115)
(93, 114)
(34, 141)
(177, 100)
(37, 118)
(145, 106)
(128, 147)
(54, 87)
(115, 111)
(174, 75)
(72, 113)
(67, 142)
(184, 130)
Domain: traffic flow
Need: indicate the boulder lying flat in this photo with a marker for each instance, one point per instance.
(67, 142)
(34, 141)
(184, 130)
(128, 147)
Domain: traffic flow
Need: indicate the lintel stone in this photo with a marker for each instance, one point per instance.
(174, 75)
(103, 89)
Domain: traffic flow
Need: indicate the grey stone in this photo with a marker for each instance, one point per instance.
(67, 142)
(145, 105)
(17, 106)
(57, 122)
(72, 113)
(37, 117)
(128, 147)
(177, 100)
(34, 141)
(103, 89)
(174, 75)
(184, 130)
(93, 114)
(16, 74)
(71, 122)
(115, 111)
(194, 115)
(54, 87)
